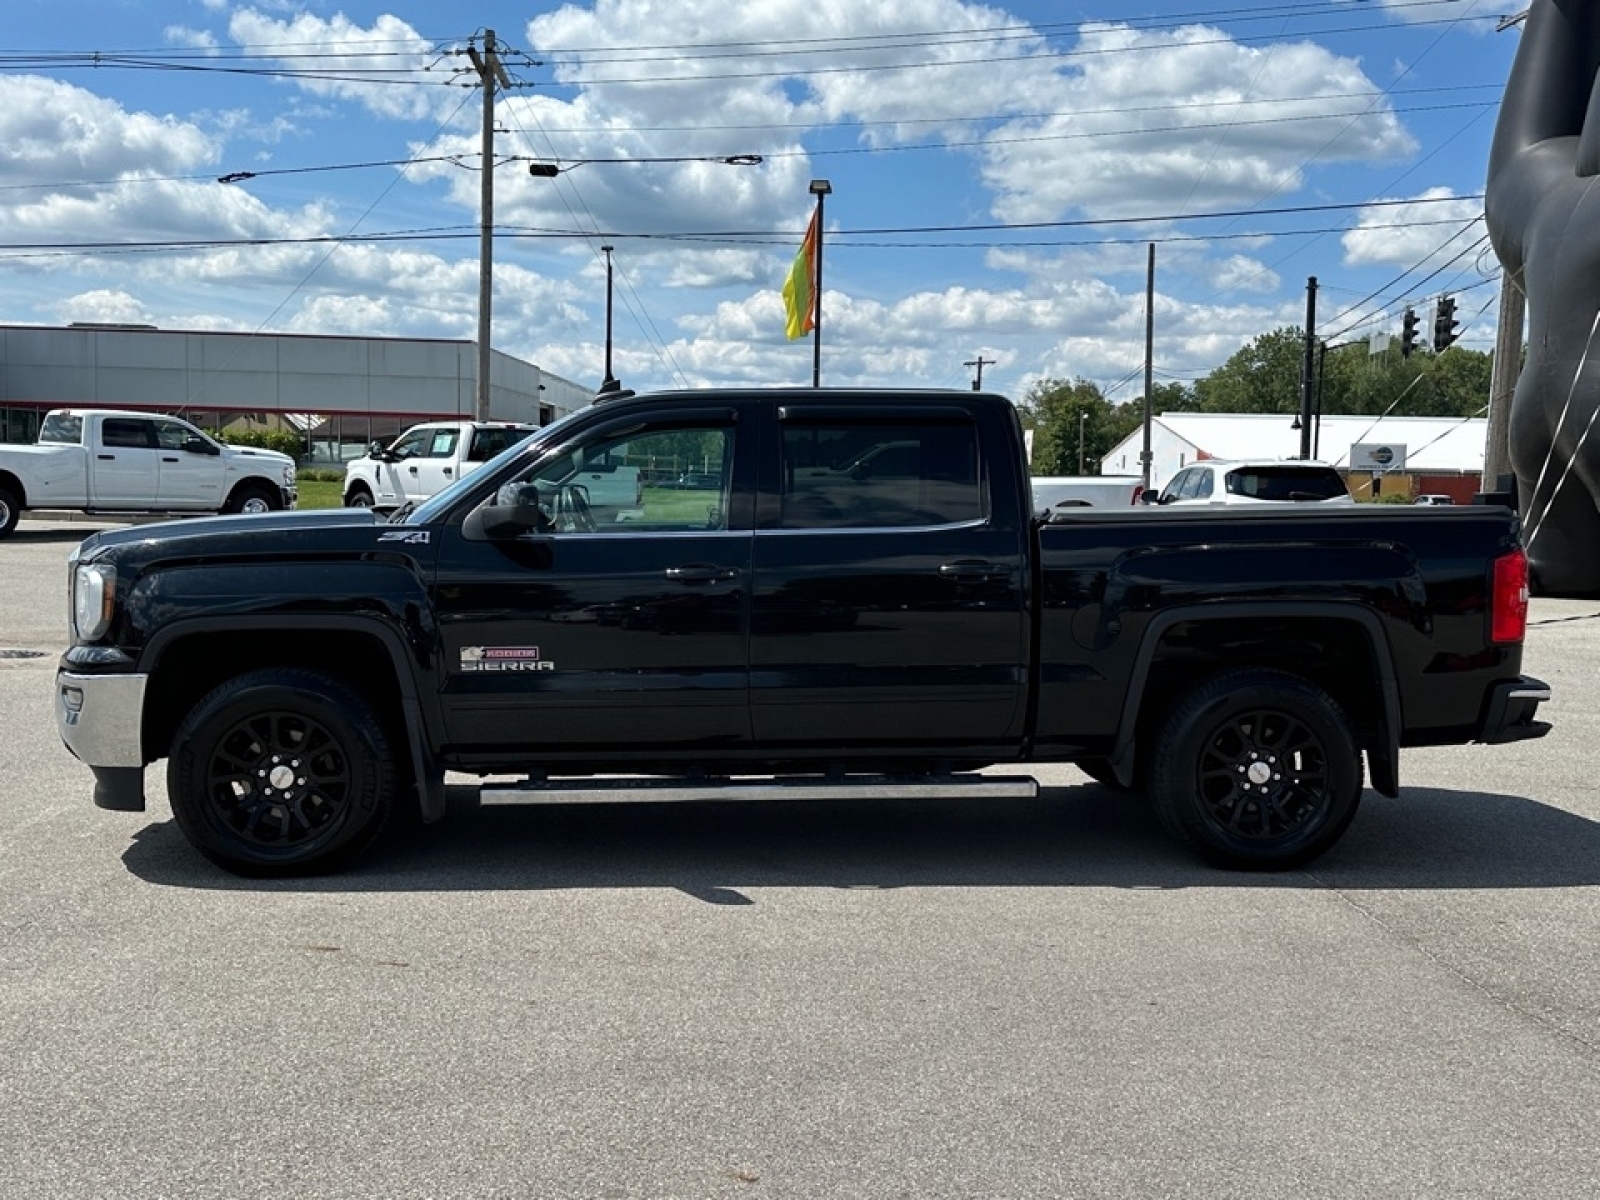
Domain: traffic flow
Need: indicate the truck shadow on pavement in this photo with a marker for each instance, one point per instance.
(1079, 836)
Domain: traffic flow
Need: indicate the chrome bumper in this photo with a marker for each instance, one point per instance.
(100, 717)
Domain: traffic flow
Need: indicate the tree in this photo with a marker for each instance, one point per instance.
(1263, 376)
(1059, 412)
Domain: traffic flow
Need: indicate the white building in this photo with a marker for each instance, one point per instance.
(1442, 454)
(341, 392)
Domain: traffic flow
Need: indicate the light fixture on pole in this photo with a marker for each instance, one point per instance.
(609, 384)
(819, 188)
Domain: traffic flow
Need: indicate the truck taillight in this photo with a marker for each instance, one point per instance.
(1138, 494)
(1508, 599)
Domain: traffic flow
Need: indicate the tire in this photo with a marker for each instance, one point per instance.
(251, 498)
(281, 772)
(1258, 770)
(358, 497)
(1099, 770)
(10, 511)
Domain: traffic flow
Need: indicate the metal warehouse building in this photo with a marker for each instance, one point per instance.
(338, 392)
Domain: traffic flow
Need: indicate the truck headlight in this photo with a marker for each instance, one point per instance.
(288, 474)
(94, 598)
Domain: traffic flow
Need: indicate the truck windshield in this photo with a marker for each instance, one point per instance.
(62, 429)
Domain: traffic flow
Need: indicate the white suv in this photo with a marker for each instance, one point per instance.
(1263, 482)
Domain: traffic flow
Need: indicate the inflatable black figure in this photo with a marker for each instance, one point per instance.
(1544, 219)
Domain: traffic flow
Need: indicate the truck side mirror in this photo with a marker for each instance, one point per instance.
(198, 445)
(518, 509)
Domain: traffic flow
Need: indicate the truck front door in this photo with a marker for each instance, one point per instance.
(600, 636)
(192, 473)
(890, 600)
(434, 468)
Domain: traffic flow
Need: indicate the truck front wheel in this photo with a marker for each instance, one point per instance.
(358, 497)
(251, 498)
(1258, 770)
(10, 512)
(281, 772)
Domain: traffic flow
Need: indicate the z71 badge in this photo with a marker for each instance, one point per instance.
(411, 537)
(503, 658)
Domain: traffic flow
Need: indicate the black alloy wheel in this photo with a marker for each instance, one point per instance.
(1258, 769)
(281, 772)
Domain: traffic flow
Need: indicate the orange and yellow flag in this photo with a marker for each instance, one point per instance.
(800, 289)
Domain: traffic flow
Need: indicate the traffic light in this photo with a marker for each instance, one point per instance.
(1408, 333)
(1444, 324)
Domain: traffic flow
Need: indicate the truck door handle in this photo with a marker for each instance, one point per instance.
(971, 571)
(106, 457)
(164, 458)
(701, 573)
(413, 470)
(449, 470)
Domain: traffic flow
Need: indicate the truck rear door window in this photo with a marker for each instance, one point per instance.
(127, 432)
(863, 476)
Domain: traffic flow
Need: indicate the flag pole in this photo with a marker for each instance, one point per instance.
(819, 189)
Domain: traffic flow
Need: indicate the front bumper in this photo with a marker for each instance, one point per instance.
(1509, 714)
(100, 718)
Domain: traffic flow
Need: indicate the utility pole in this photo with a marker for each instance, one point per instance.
(980, 362)
(1503, 385)
(489, 70)
(1308, 367)
(1083, 418)
(1149, 363)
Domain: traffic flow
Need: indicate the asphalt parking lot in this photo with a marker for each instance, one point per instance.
(1016, 999)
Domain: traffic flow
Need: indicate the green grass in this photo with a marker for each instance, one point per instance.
(320, 493)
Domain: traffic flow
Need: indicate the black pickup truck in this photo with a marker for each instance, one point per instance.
(809, 626)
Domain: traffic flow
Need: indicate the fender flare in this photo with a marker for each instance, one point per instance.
(429, 777)
(1383, 760)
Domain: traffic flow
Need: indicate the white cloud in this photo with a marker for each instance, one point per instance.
(374, 66)
(1184, 121)
(102, 306)
(1414, 235)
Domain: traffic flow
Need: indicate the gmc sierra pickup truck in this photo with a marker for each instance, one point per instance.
(803, 630)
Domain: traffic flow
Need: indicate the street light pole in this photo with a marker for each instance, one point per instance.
(1083, 419)
(610, 383)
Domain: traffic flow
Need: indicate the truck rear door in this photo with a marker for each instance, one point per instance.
(889, 602)
(125, 463)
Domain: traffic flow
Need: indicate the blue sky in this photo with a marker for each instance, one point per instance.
(998, 172)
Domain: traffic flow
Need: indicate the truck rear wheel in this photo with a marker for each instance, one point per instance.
(1258, 770)
(10, 512)
(281, 772)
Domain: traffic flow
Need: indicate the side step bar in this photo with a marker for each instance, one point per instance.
(647, 790)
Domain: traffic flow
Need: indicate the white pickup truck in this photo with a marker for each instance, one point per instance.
(109, 461)
(428, 458)
(425, 459)
(1094, 491)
